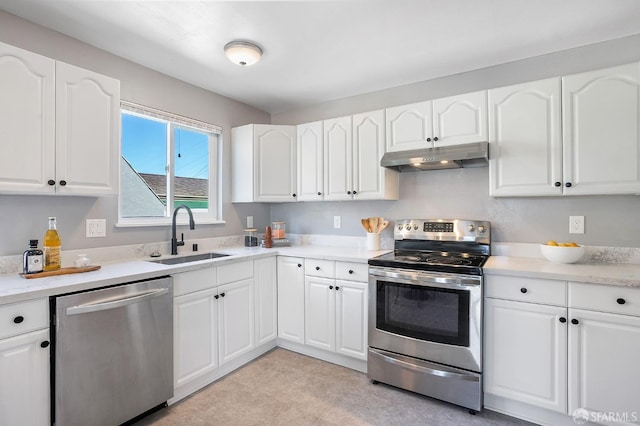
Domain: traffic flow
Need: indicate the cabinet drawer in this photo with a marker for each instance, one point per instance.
(350, 271)
(235, 272)
(548, 292)
(18, 318)
(192, 281)
(320, 268)
(606, 298)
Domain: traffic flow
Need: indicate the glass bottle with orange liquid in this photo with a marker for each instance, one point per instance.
(52, 245)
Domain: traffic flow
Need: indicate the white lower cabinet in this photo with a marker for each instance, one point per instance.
(266, 300)
(320, 313)
(351, 318)
(555, 350)
(335, 310)
(236, 319)
(291, 299)
(195, 334)
(526, 353)
(217, 311)
(604, 372)
(24, 363)
(24, 387)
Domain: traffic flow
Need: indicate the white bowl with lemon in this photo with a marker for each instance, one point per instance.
(562, 252)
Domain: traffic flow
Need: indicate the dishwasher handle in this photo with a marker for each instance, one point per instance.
(117, 303)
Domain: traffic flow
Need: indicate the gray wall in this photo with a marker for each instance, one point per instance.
(25, 217)
(610, 220)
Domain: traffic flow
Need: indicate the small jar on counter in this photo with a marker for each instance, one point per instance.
(251, 237)
(278, 230)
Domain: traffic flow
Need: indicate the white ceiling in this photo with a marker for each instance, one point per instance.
(316, 51)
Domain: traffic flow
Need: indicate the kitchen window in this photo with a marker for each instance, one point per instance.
(167, 160)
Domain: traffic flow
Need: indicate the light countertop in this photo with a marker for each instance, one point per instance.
(620, 274)
(14, 288)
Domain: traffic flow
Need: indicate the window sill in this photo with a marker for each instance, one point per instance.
(167, 222)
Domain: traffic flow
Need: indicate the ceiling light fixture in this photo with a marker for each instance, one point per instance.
(242, 52)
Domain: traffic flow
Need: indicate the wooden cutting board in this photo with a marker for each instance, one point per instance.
(61, 271)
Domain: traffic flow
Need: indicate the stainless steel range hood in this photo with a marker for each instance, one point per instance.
(444, 157)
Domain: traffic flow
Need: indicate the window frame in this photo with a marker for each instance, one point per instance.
(214, 212)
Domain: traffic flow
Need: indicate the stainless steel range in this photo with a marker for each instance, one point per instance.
(425, 309)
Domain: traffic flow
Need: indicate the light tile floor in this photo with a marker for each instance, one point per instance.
(286, 388)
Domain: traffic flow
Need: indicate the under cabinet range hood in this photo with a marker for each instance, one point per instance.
(443, 157)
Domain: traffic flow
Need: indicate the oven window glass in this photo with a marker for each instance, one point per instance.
(424, 313)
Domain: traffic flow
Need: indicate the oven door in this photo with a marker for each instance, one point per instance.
(427, 315)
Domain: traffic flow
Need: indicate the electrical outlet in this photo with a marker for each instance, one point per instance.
(337, 222)
(249, 221)
(96, 228)
(576, 224)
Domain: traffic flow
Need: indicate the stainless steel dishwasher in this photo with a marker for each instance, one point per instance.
(113, 353)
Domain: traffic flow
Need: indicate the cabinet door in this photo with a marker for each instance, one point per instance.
(24, 388)
(291, 299)
(371, 182)
(266, 300)
(351, 318)
(409, 126)
(460, 119)
(87, 132)
(27, 120)
(338, 155)
(310, 164)
(525, 139)
(275, 161)
(320, 313)
(526, 353)
(195, 325)
(604, 373)
(601, 122)
(236, 319)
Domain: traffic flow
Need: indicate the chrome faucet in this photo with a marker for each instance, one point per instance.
(174, 240)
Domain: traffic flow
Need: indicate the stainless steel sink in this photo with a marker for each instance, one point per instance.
(191, 258)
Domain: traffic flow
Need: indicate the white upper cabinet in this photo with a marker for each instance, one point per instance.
(310, 161)
(370, 181)
(409, 126)
(460, 119)
(338, 151)
(27, 121)
(87, 131)
(60, 124)
(353, 147)
(263, 163)
(525, 138)
(573, 135)
(601, 120)
(448, 121)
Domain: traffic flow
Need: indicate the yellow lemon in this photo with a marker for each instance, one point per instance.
(552, 243)
(572, 245)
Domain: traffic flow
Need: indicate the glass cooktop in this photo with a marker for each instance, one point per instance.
(437, 261)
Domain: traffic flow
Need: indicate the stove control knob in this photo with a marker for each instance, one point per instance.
(415, 227)
(481, 229)
(399, 227)
(408, 227)
(471, 228)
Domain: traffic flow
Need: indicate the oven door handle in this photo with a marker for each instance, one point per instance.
(404, 276)
(431, 371)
